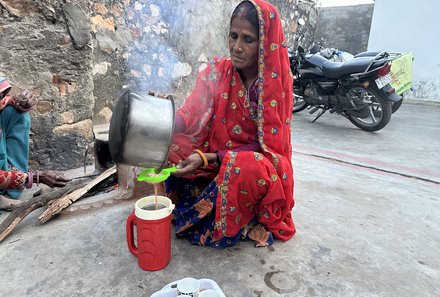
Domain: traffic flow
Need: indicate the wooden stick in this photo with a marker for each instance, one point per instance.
(60, 204)
(26, 207)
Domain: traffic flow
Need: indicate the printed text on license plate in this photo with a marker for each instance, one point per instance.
(383, 81)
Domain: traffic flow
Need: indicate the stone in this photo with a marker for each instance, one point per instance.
(101, 68)
(181, 70)
(67, 117)
(82, 127)
(63, 86)
(18, 8)
(49, 9)
(77, 23)
(135, 73)
(101, 9)
(44, 107)
(99, 22)
(105, 115)
(106, 43)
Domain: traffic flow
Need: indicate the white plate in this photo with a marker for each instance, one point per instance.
(383, 81)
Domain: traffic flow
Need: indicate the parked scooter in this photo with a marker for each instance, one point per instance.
(358, 89)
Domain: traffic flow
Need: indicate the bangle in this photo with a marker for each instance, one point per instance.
(202, 155)
(30, 179)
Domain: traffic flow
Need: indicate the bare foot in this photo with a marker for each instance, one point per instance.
(8, 204)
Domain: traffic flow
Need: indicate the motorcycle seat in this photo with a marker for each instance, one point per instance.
(367, 54)
(357, 65)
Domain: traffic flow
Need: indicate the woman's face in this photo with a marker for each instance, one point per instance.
(243, 44)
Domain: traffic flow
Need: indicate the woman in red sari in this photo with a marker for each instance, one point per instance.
(233, 135)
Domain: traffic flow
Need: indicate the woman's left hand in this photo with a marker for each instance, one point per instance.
(52, 178)
(189, 165)
(25, 101)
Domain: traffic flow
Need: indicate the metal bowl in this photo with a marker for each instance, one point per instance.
(141, 129)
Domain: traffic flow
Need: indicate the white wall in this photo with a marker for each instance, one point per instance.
(411, 26)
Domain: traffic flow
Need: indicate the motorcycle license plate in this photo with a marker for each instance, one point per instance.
(383, 81)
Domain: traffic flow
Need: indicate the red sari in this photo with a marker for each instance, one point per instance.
(217, 117)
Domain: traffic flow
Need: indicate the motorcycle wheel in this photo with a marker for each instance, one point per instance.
(376, 111)
(298, 104)
(396, 105)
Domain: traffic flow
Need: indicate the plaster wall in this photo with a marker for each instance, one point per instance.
(406, 26)
(345, 27)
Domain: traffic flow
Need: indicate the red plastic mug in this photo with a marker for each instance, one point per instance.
(153, 232)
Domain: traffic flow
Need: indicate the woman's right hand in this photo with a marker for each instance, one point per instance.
(189, 165)
(51, 178)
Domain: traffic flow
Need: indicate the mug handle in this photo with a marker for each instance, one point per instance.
(129, 232)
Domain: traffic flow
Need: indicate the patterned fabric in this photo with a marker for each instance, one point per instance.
(5, 87)
(194, 215)
(248, 185)
(5, 102)
(12, 179)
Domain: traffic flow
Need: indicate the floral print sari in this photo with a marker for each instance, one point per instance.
(250, 194)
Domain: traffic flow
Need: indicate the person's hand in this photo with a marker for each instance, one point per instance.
(51, 178)
(25, 101)
(189, 165)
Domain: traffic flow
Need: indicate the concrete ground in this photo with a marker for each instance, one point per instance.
(367, 212)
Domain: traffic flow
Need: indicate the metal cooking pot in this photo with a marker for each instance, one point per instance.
(141, 129)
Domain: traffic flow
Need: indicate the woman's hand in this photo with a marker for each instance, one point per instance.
(189, 165)
(25, 101)
(51, 178)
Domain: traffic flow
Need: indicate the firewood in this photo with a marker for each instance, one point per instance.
(63, 202)
(20, 211)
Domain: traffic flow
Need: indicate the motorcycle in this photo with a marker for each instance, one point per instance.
(337, 55)
(358, 89)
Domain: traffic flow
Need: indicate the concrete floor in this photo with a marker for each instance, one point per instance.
(367, 212)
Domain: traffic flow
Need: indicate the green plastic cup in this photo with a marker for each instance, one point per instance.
(149, 175)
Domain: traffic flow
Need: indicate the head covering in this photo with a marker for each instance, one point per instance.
(5, 87)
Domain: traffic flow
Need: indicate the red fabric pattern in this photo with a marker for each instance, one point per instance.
(8, 100)
(216, 119)
(12, 179)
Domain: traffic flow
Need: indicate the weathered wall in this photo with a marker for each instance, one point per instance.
(77, 55)
(37, 53)
(345, 27)
(405, 26)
